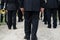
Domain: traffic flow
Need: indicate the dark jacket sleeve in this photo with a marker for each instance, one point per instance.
(42, 2)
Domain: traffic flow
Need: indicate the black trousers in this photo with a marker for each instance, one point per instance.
(19, 15)
(45, 16)
(3, 17)
(59, 12)
(54, 14)
(12, 18)
(31, 24)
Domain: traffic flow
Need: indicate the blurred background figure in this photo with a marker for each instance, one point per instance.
(20, 15)
(1, 7)
(45, 17)
(45, 13)
(1, 18)
(12, 6)
(52, 6)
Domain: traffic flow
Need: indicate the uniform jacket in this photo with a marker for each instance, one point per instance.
(12, 4)
(51, 4)
(32, 5)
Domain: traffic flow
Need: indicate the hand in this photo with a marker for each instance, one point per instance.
(22, 10)
(42, 10)
(6, 10)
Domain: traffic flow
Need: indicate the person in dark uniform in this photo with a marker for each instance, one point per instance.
(31, 10)
(52, 6)
(45, 17)
(1, 7)
(2, 15)
(59, 11)
(12, 7)
(45, 14)
(2, 18)
(20, 15)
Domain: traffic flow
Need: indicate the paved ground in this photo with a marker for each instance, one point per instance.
(43, 33)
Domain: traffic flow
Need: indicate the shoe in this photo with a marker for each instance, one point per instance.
(34, 38)
(54, 26)
(26, 37)
(45, 23)
(20, 20)
(14, 28)
(49, 26)
(9, 27)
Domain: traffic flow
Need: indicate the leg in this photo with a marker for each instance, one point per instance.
(27, 28)
(14, 19)
(20, 16)
(45, 17)
(54, 18)
(9, 19)
(1, 17)
(49, 18)
(35, 20)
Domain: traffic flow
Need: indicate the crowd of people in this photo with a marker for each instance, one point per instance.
(30, 9)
